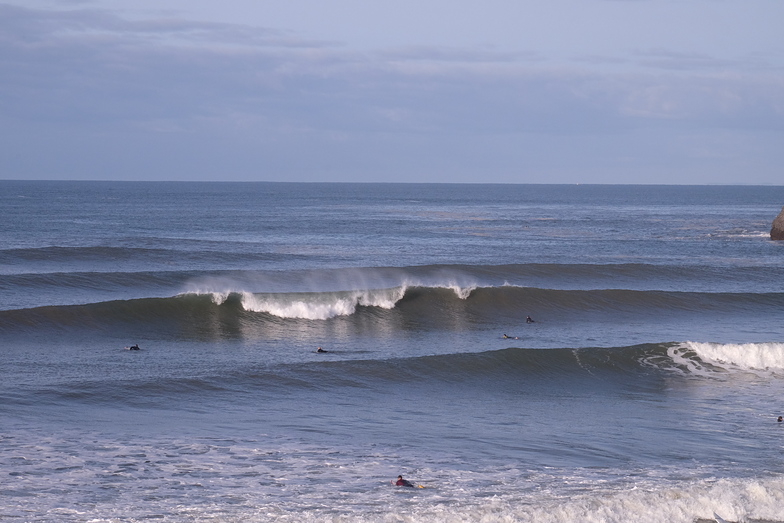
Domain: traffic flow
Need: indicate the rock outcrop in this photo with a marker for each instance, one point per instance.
(777, 230)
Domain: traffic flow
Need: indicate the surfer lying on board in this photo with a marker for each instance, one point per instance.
(320, 350)
(403, 482)
(510, 337)
(134, 347)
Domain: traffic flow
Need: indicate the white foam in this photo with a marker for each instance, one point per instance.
(462, 290)
(734, 500)
(104, 478)
(219, 297)
(748, 356)
(324, 305)
(320, 306)
(686, 502)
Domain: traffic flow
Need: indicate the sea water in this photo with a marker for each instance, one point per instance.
(647, 388)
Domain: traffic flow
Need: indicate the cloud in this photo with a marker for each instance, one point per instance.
(246, 93)
(695, 62)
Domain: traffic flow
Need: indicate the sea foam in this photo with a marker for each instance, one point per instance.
(326, 305)
(320, 306)
(748, 356)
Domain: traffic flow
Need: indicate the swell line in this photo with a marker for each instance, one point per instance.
(425, 306)
(526, 371)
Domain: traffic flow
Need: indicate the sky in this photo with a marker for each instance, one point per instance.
(497, 91)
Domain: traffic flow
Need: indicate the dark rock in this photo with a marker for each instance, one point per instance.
(777, 230)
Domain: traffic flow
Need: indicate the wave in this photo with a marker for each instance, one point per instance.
(646, 367)
(319, 306)
(687, 358)
(31, 285)
(326, 305)
(427, 307)
(707, 358)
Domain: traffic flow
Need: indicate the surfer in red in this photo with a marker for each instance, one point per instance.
(403, 482)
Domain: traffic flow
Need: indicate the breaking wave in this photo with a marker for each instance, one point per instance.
(322, 305)
(427, 306)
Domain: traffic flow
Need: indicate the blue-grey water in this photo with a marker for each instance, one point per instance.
(647, 388)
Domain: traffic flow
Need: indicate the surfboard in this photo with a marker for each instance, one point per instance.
(718, 518)
(412, 486)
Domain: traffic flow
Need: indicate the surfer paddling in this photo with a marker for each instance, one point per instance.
(321, 350)
(404, 483)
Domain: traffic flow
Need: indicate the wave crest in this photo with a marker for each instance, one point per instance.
(320, 306)
(325, 305)
(745, 356)
(313, 306)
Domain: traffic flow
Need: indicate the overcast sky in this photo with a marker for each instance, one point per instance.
(546, 91)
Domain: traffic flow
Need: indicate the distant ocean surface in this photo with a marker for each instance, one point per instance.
(647, 389)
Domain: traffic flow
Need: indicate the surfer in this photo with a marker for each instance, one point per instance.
(781, 418)
(528, 319)
(320, 350)
(403, 482)
(510, 337)
(134, 347)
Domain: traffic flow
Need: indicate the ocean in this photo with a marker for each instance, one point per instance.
(646, 389)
